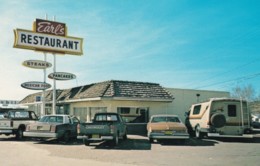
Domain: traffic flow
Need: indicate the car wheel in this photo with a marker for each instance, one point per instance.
(19, 134)
(125, 136)
(198, 133)
(66, 137)
(115, 140)
(151, 140)
(86, 142)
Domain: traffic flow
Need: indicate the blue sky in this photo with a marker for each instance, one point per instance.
(205, 44)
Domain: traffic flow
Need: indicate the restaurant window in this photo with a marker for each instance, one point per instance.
(134, 114)
(86, 114)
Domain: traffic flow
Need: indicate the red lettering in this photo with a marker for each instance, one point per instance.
(51, 28)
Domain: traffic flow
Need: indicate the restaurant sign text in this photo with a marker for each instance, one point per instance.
(44, 42)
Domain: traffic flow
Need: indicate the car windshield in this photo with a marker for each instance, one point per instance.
(106, 118)
(165, 119)
(19, 114)
(3, 114)
(52, 119)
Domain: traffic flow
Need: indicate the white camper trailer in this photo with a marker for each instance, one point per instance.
(220, 117)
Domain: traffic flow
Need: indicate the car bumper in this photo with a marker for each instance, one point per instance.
(101, 138)
(6, 131)
(163, 136)
(230, 136)
(40, 135)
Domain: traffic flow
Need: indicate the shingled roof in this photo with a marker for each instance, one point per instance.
(107, 89)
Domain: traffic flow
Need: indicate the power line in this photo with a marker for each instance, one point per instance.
(236, 79)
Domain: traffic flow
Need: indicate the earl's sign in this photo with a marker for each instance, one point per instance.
(48, 36)
(50, 27)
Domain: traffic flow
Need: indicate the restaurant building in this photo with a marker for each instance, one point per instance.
(135, 101)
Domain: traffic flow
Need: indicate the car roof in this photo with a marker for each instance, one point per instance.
(107, 113)
(63, 115)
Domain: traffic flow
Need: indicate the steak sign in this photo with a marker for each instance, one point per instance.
(34, 85)
(37, 64)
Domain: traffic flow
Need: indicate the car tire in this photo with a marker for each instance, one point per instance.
(125, 136)
(151, 140)
(218, 120)
(115, 141)
(86, 142)
(66, 137)
(198, 133)
(19, 134)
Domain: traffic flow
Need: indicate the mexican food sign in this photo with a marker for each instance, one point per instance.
(48, 36)
(35, 85)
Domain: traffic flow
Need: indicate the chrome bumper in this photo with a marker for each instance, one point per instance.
(175, 136)
(6, 131)
(40, 135)
(230, 136)
(102, 138)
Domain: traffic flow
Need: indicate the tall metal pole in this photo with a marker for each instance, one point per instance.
(44, 80)
(54, 83)
(43, 92)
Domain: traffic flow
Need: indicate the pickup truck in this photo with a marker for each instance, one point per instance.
(14, 121)
(105, 127)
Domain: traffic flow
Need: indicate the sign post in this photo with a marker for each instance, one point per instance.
(54, 87)
(43, 91)
(62, 33)
(47, 37)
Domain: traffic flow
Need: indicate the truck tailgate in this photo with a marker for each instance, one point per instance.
(96, 129)
(40, 127)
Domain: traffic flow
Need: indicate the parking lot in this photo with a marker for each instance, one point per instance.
(135, 151)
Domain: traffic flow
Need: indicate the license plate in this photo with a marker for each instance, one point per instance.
(95, 135)
(39, 127)
(168, 132)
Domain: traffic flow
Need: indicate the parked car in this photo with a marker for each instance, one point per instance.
(220, 117)
(166, 127)
(61, 127)
(14, 121)
(105, 127)
(255, 120)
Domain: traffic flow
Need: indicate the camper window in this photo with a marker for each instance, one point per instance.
(196, 110)
(232, 110)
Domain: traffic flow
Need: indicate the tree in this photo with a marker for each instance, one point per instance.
(246, 92)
